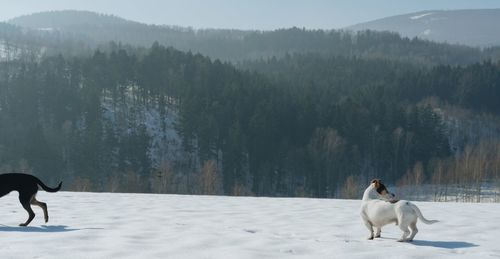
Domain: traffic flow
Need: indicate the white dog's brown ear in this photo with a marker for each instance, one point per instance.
(376, 182)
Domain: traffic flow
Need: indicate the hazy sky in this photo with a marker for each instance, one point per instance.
(244, 14)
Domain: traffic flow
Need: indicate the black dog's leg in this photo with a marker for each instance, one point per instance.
(25, 201)
(42, 205)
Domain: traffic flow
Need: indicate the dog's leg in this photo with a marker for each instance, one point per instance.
(377, 232)
(414, 230)
(370, 228)
(406, 232)
(25, 201)
(42, 205)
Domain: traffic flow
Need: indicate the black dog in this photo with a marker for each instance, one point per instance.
(27, 186)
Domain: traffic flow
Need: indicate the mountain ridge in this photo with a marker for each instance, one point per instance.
(473, 27)
(36, 20)
(238, 45)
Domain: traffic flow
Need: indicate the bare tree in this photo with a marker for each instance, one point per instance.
(162, 181)
(409, 184)
(397, 134)
(209, 179)
(326, 145)
(81, 185)
(133, 183)
(496, 173)
(439, 181)
(351, 188)
(114, 183)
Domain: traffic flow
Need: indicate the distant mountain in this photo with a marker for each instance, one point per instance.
(88, 30)
(96, 29)
(470, 27)
(64, 19)
(104, 28)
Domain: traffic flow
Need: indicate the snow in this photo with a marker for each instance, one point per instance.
(48, 29)
(416, 17)
(106, 225)
(3, 50)
(166, 144)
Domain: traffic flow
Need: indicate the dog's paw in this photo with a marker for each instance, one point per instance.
(23, 225)
(377, 236)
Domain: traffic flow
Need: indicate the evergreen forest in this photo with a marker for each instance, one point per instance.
(290, 112)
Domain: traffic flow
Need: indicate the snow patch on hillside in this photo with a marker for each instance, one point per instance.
(416, 17)
(2, 50)
(11, 50)
(47, 29)
(166, 144)
(5, 51)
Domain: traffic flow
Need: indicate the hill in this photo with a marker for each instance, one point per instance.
(303, 128)
(61, 20)
(236, 45)
(469, 27)
(107, 225)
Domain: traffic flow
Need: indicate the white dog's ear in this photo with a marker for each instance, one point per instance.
(376, 182)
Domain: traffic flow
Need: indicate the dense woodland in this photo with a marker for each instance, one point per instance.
(301, 123)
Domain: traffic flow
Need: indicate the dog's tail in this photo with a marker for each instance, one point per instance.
(420, 216)
(48, 189)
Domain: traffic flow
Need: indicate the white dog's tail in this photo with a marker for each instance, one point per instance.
(420, 216)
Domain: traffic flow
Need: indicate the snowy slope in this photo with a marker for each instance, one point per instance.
(93, 225)
(470, 27)
(165, 142)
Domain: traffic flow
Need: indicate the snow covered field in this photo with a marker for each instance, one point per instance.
(104, 225)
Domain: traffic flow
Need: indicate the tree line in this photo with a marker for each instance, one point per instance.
(79, 32)
(301, 125)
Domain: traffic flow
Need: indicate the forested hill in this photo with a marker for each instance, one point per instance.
(305, 125)
(17, 42)
(71, 28)
(475, 87)
(67, 19)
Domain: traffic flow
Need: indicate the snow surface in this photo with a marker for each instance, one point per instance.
(104, 225)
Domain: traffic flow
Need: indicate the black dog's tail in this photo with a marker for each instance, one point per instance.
(48, 189)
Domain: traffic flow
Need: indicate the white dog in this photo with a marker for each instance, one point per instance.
(377, 213)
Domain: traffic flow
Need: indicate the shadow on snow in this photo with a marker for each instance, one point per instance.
(47, 229)
(444, 244)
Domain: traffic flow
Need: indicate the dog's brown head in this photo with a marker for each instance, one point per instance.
(382, 190)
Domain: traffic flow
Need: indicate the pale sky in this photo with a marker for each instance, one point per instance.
(244, 14)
